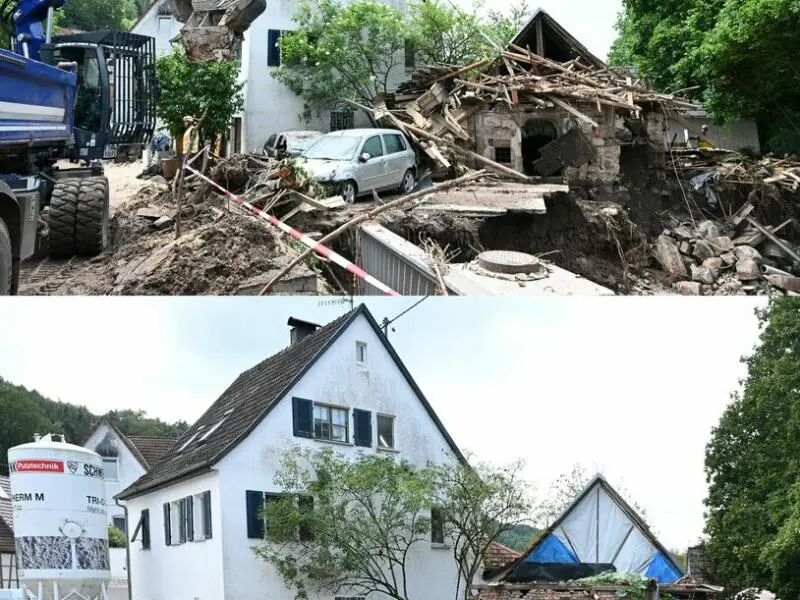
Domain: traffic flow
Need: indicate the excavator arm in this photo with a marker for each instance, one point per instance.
(214, 29)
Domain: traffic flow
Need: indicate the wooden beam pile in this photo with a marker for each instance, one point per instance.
(735, 168)
(433, 108)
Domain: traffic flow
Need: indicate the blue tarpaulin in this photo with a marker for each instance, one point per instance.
(552, 550)
(662, 570)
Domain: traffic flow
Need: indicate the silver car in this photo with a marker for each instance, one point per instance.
(354, 162)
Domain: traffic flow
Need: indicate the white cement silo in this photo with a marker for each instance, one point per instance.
(60, 526)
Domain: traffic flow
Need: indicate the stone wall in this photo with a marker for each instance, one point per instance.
(500, 133)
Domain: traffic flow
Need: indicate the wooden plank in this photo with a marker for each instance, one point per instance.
(573, 111)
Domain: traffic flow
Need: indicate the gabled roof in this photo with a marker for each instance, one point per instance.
(498, 556)
(600, 528)
(147, 450)
(155, 5)
(248, 400)
(550, 25)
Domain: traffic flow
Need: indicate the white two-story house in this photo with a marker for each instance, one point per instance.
(341, 385)
(270, 107)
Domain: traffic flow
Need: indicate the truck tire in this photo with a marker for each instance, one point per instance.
(61, 218)
(5, 260)
(91, 221)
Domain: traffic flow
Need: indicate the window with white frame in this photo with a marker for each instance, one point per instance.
(330, 423)
(386, 432)
(361, 353)
(111, 469)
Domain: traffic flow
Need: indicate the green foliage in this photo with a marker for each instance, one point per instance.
(341, 52)
(92, 15)
(519, 537)
(25, 412)
(188, 89)
(367, 515)
(753, 465)
(743, 55)
(479, 503)
(116, 537)
(356, 51)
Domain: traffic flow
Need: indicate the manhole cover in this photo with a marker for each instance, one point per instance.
(507, 261)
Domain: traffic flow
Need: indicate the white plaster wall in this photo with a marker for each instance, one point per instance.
(337, 379)
(269, 106)
(118, 586)
(162, 29)
(189, 571)
(130, 469)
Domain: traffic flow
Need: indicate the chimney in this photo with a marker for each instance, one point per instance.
(300, 330)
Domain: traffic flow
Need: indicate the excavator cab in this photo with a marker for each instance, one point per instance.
(116, 93)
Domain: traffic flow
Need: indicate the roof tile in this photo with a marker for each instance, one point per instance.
(248, 397)
(152, 449)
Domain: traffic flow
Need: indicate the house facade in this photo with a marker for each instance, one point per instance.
(269, 106)
(9, 578)
(339, 386)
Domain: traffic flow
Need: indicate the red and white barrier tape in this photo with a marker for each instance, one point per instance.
(303, 238)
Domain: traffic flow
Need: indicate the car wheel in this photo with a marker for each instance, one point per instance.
(407, 186)
(348, 191)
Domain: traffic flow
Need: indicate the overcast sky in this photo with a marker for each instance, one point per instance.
(630, 387)
(591, 22)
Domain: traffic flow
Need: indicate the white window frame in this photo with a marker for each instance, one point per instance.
(175, 523)
(331, 408)
(198, 523)
(107, 460)
(361, 353)
(393, 418)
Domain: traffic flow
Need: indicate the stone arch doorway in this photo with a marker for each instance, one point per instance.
(535, 134)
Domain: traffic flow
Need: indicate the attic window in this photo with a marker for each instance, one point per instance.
(208, 433)
(191, 439)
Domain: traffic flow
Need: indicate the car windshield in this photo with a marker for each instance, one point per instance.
(335, 147)
(302, 142)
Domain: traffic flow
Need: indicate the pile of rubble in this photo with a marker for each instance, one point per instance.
(724, 166)
(435, 105)
(709, 258)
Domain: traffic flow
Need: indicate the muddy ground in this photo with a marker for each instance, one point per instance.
(600, 233)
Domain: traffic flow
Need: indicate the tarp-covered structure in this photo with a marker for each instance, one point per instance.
(599, 532)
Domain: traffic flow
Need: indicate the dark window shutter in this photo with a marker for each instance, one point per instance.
(146, 529)
(167, 528)
(182, 520)
(190, 518)
(305, 505)
(362, 427)
(207, 515)
(255, 522)
(273, 48)
(303, 417)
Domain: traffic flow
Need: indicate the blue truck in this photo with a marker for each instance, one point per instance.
(78, 99)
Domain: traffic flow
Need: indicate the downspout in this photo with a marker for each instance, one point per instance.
(127, 547)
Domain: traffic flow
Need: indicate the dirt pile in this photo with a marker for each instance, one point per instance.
(219, 250)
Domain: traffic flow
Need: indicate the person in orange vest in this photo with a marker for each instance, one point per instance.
(191, 136)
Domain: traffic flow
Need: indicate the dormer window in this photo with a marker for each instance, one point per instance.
(218, 424)
(361, 353)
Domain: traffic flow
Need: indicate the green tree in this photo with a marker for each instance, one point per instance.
(342, 52)
(519, 537)
(742, 56)
(92, 15)
(19, 420)
(212, 88)
(752, 464)
(357, 536)
(502, 26)
(444, 34)
(478, 503)
(136, 422)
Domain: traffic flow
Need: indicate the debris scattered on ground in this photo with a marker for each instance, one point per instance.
(709, 257)
(724, 166)
(433, 108)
